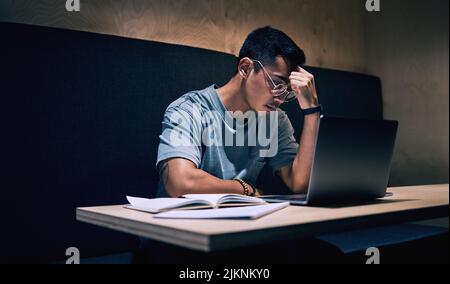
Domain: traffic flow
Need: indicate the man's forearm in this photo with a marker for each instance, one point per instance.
(203, 182)
(179, 178)
(301, 167)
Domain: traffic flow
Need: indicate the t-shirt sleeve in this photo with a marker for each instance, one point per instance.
(180, 136)
(287, 145)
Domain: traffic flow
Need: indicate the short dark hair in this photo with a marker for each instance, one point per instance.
(265, 44)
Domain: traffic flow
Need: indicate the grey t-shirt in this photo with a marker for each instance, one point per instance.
(197, 127)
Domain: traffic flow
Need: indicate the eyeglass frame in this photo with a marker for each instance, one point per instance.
(285, 93)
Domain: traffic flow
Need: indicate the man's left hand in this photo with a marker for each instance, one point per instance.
(303, 84)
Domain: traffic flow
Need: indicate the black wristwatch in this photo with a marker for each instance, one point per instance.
(313, 110)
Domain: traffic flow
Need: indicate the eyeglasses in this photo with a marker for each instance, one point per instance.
(281, 90)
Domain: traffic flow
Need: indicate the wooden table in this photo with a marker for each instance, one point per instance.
(408, 204)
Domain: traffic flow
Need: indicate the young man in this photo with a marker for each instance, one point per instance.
(268, 74)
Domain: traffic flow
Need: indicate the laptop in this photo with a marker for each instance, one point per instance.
(351, 162)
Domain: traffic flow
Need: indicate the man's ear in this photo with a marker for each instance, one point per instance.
(245, 67)
(243, 72)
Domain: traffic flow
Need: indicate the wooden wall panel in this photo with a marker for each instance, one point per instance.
(411, 57)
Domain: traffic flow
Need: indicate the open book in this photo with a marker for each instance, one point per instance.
(192, 201)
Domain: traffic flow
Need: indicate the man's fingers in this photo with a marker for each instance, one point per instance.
(298, 74)
(303, 70)
(301, 79)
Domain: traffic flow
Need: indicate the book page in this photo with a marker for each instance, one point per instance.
(156, 205)
(213, 199)
(216, 199)
(241, 198)
(252, 212)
